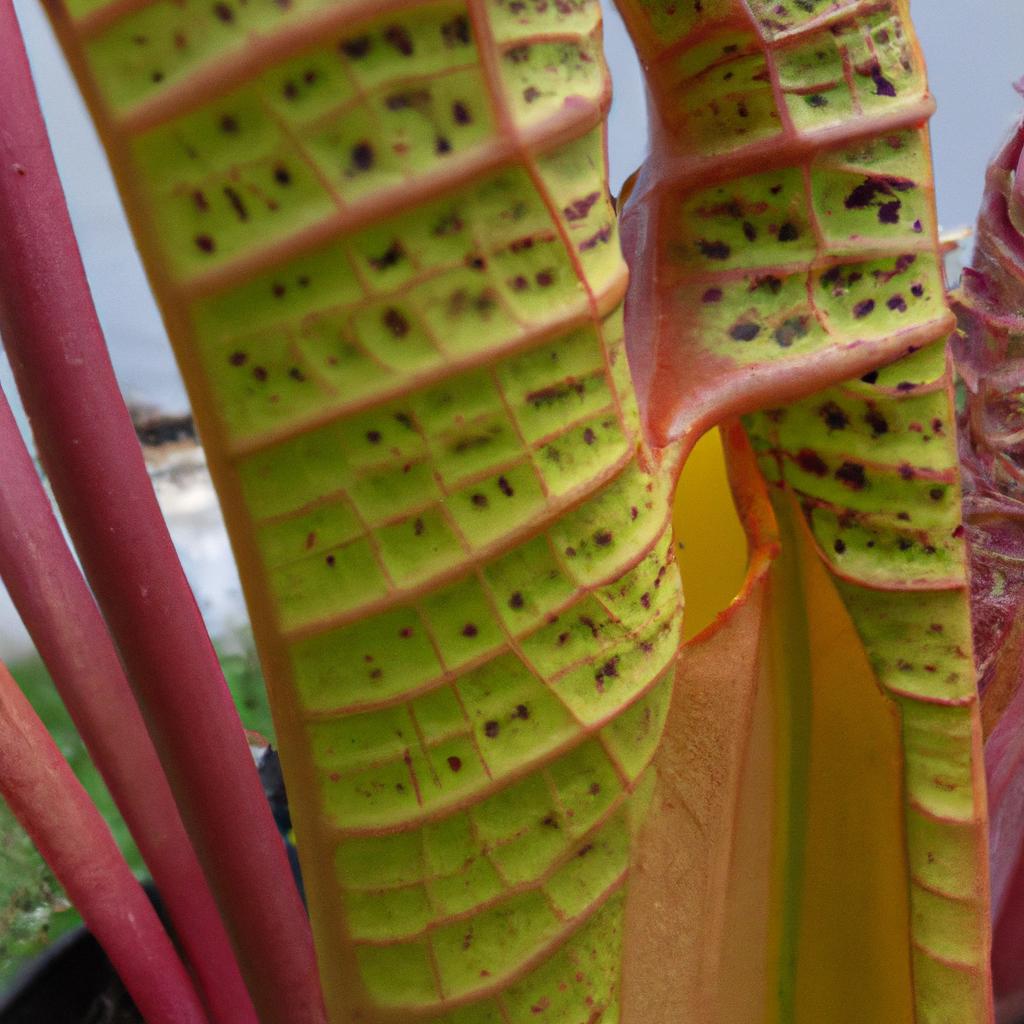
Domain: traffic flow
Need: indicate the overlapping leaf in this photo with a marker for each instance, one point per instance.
(785, 263)
(988, 353)
(382, 238)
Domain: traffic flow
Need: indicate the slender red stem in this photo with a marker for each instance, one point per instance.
(55, 604)
(69, 832)
(89, 449)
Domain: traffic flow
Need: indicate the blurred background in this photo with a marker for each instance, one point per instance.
(973, 55)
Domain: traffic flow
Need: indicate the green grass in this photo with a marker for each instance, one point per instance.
(33, 909)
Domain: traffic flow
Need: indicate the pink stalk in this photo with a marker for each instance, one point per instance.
(90, 452)
(69, 832)
(55, 604)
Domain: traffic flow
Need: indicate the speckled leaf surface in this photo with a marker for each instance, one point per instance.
(382, 239)
(989, 354)
(785, 265)
(786, 206)
(869, 466)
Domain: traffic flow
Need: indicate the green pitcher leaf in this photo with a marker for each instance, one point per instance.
(383, 243)
(786, 210)
(785, 265)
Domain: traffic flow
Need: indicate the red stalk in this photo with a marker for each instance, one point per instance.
(69, 832)
(90, 452)
(55, 604)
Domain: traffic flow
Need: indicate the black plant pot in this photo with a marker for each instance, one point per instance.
(73, 982)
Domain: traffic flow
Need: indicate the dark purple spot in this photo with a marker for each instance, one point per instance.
(602, 538)
(788, 232)
(442, 145)
(917, 290)
(789, 331)
(480, 500)
(260, 373)
(589, 437)
(839, 547)
(877, 422)
(811, 462)
(897, 304)
(744, 331)
(491, 729)
(936, 493)
(236, 203)
(460, 112)
(889, 213)
(455, 763)
(362, 156)
(373, 436)
(456, 31)
(469, 630)
(205, 243)
(870, 377)
(389, 258)
(223, 12)
(282, 175)
(835, 418)
(357, 47)
(862, 309)
(714, 250)
(330, 560)
(712, 295)
(521, 712)
(395, 322)
(851, 474)
(399, 38)
(579, 209)
(749, 231)
(505, 487)
(296, 374)
(883, 87)
(516, 601)
(237, 358)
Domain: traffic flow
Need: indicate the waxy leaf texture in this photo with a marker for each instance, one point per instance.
(785, 265)
(382, 239)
